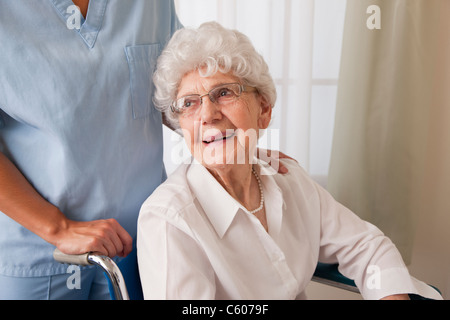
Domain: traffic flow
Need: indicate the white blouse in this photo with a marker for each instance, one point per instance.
(195, 241)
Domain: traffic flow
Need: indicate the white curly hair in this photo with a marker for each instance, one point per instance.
(209, 49)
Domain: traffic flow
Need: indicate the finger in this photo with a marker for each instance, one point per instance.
(104, 245)
(282, 168)
(272, 158)
(113, 240)
(281, 155)
(102, 238)
(127, 243)
(122, 240)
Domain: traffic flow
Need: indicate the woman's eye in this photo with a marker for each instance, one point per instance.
(225, 92)
(189, 103)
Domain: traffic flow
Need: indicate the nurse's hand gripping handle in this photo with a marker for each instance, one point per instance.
(107, 264)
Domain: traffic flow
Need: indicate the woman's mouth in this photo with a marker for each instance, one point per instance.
(219, 138)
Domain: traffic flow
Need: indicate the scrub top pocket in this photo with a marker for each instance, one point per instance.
(142, 62)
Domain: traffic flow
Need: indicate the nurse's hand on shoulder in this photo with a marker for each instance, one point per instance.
(106, 237)
(273, 159)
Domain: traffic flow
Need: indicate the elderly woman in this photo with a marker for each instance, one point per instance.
(222, 227)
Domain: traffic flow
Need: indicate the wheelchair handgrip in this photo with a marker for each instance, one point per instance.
(107, 264)
(78, 259)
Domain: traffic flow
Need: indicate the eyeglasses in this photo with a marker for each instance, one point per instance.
(222, 95)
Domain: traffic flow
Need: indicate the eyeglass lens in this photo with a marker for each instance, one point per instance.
(222, 95)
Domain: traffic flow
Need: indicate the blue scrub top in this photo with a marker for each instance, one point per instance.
(76, 113)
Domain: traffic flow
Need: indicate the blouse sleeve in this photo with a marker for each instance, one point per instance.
(171, 264)
(364, 253)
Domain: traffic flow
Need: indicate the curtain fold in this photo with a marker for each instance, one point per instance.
(390, 160)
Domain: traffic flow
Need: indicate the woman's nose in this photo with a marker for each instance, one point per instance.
(209, 110)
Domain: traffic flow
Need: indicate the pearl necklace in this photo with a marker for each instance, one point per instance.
(261, 203)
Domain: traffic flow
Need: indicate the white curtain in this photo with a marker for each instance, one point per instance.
(301, 42)
(391, 151)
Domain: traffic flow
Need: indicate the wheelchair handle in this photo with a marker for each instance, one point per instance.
(78, 259)
(107, 264)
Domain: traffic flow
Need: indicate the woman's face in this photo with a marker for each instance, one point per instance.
(222, 134)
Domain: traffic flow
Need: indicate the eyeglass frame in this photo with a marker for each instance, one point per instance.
(242, 88)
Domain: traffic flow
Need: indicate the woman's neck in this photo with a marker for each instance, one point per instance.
(240, 183)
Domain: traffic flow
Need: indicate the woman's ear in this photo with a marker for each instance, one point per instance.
(265, 115)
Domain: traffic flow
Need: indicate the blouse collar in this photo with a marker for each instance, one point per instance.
(221, 208)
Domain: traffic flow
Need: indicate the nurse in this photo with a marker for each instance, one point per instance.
(80, 140)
